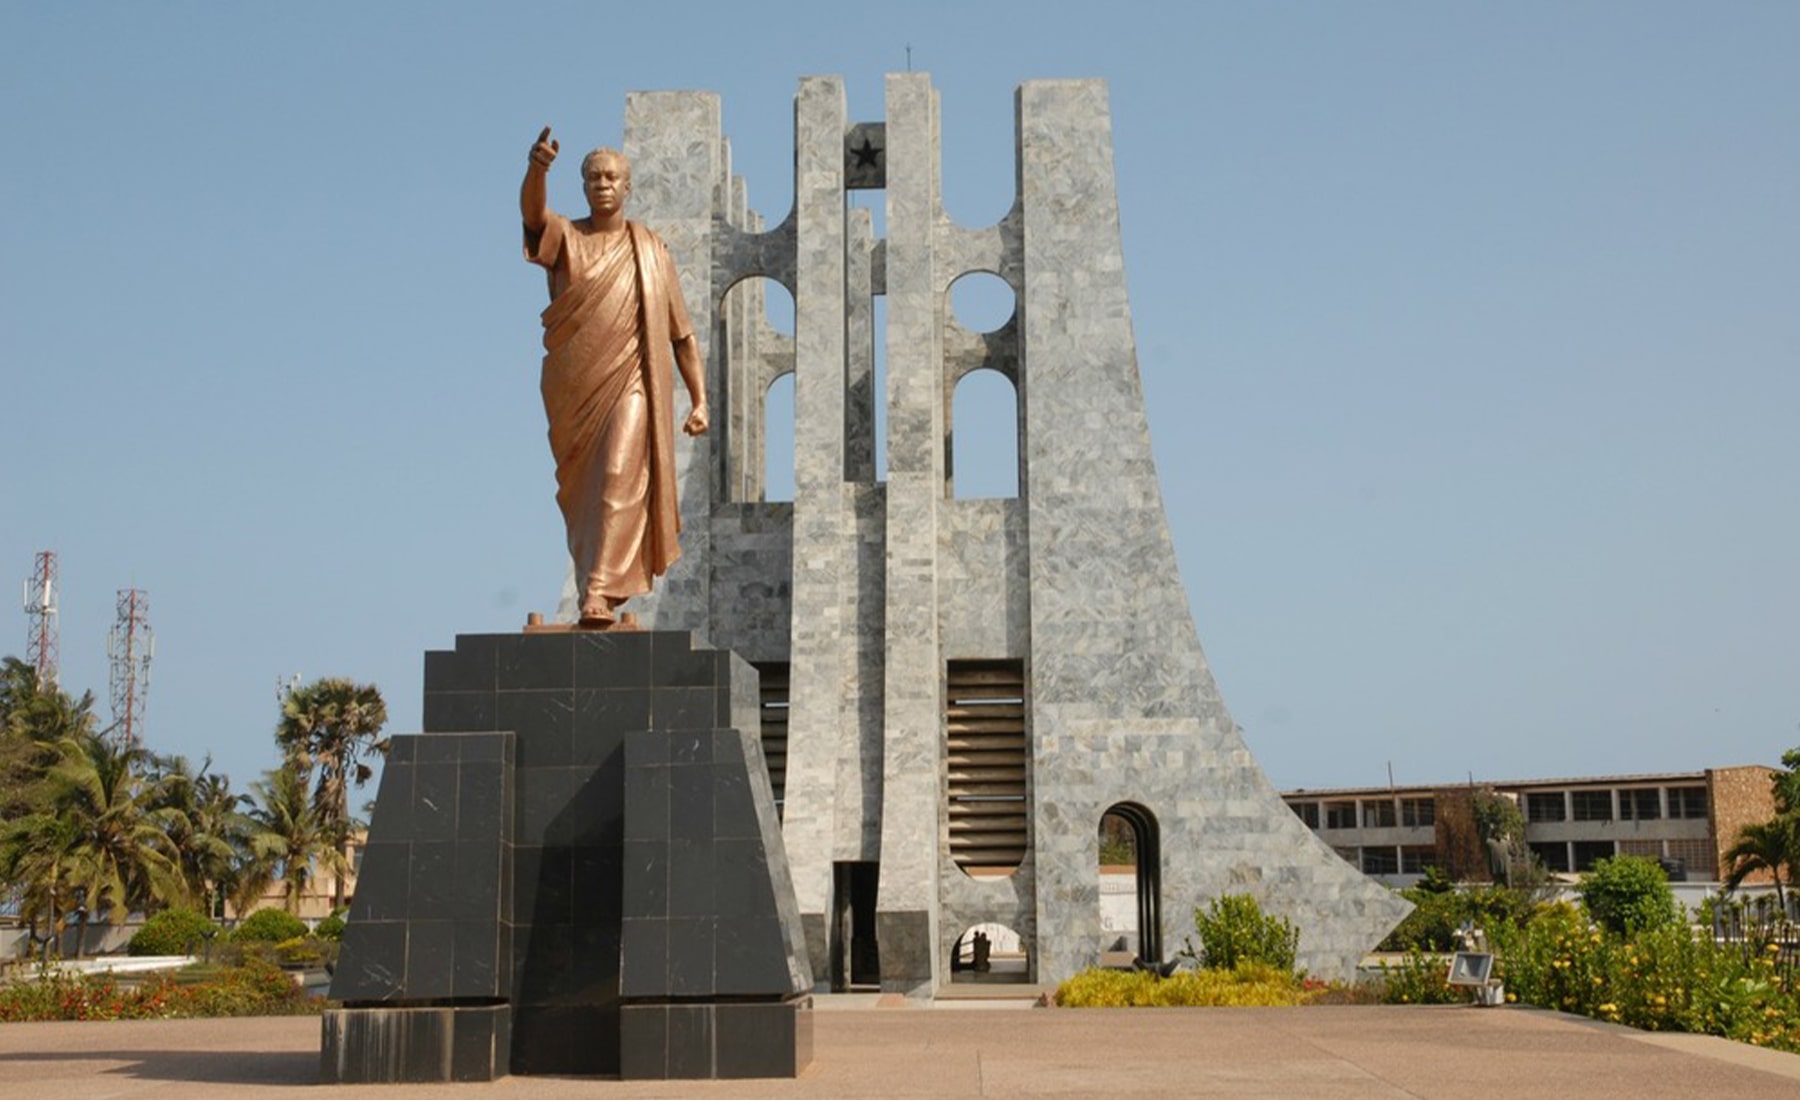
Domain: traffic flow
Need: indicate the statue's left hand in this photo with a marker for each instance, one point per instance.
(698, 420)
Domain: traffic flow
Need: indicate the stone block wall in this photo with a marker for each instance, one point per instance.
(889, 577)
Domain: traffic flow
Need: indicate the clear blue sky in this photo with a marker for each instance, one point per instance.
(1469, 335)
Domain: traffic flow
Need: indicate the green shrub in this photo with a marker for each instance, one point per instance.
(305, 951)
(269, 926)
(332, 927)
(172, 932)
(1437, 914)
(1234, 929)
(1248, 984)
(1628, 893)
(1419, 979)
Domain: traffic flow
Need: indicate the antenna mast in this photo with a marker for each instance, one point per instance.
(130, 647)
(40, 606)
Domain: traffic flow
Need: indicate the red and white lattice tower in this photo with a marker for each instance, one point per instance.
(40, 607)
(130, 648)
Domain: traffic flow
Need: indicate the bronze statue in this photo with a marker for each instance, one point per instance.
(615, 314)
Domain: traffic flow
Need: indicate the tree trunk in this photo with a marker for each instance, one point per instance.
(337, 879)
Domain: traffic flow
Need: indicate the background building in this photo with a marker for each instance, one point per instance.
(1687, 819)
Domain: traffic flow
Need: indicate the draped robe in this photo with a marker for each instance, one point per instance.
(615, 311)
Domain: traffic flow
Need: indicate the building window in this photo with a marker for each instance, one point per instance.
(1688, 802)
(1340, 815)
(1378, 814)
(1418, 812)
(1554, 857)
(1307, 812)
(1696, 856)
(1590, 852)
(1546, 807)
(1380, 861)
(1644, 804)
(1592, 806)
(1348, 855)
(1414, 858)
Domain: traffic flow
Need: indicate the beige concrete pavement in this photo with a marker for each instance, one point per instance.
(1357, 1052)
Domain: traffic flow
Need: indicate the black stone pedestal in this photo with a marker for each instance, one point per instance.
(715, 1040)
(514, 899)
(714, 968)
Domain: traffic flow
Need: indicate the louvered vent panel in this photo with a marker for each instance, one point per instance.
(984, 727)
(775, 727)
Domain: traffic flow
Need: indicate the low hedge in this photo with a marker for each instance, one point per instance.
(254, 989)
(172, 932)
(1247, 984)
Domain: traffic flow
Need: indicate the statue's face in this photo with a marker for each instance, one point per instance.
(607, 182)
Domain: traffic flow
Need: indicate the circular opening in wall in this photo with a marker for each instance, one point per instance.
(982, 301)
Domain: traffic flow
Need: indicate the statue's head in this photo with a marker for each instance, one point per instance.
(606, 178)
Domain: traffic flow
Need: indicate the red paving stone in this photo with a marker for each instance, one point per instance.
(1351, 1052)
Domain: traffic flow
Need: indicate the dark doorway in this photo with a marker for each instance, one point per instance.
(855, 956)
(1131, 830)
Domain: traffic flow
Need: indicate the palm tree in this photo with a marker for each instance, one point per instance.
(33, 855)
(326, 728)
(206, 827)
(1769, 846)
(34, 717)
(93, 838)
(288, 839)
(120, 852)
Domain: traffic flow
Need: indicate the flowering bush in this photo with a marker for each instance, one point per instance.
(1247, 984)
(251, 990)
(1663, 978)
(1420, 979)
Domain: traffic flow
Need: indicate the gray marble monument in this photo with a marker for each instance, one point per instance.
(956, 691)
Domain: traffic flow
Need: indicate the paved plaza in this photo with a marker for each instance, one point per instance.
(1356, 1052)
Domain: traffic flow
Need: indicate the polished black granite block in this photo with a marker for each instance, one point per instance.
(575, 827)
(415, 1044)
(674, 1041)
(443, 801)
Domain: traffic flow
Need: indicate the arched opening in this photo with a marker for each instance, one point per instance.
(989, 952)
(1130, 866)
(984, 440)
(778, 439)
(754, 346)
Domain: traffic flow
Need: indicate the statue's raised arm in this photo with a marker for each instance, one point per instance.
(533, 205)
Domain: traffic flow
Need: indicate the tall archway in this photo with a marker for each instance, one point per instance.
(984, 442)
(1128, 829)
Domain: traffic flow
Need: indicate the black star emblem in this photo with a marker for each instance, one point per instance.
(868, 154)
